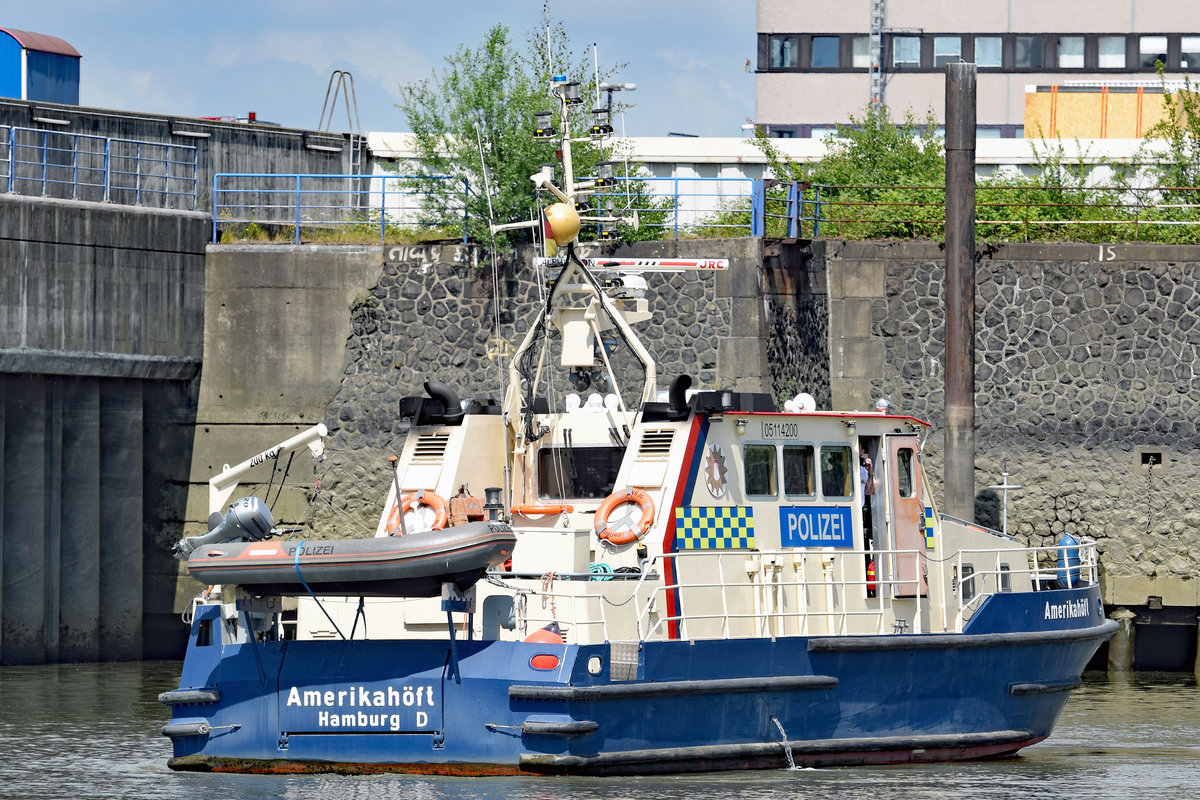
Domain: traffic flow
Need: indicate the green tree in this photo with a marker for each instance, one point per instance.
(1171, 158)
(879, 178)
(484, 100)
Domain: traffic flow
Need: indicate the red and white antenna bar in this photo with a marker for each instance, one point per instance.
(658, 264)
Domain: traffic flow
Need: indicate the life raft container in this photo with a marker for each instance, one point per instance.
(636, 530)
(409, 503)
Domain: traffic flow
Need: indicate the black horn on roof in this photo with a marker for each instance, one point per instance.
(452, 411)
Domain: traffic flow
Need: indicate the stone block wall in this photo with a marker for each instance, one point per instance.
(1086, 390)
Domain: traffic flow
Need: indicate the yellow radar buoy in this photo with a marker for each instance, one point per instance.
(563, 221)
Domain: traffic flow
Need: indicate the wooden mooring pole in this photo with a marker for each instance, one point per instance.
(960, 291)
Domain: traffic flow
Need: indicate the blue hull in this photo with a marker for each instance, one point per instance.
(495, 707)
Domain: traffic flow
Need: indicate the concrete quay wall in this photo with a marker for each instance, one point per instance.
(101, 331)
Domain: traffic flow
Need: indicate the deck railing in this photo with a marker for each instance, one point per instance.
(748, 594)
(977, 574)
(732, 594)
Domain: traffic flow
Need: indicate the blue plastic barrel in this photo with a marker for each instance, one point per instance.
(1068, 561)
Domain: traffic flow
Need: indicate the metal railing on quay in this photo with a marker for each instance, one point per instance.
(316, 206)
(684, 205)
(76, 166)
(1015, 212)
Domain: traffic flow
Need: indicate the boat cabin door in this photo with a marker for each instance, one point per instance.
(906, 520)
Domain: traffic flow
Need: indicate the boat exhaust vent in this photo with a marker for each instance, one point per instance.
(656, 444)
(431, 448)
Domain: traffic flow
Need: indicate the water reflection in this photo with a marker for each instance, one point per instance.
(82, 731)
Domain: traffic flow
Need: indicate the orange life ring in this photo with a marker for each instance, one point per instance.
(628, 495)
(410, 502)
(535, 510)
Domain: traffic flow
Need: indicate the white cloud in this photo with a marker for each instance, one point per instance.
(382, 60)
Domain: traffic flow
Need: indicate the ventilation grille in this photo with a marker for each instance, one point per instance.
(656, 444)
(431, 448)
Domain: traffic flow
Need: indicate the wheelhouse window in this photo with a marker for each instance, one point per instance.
(785, 52)
(759, 467)
(578, 472)
(1028, 52)
(905, 474)
(946, 50)
(798, 477)
(989, 51)
(1111, 52)
(968, 582)
(836, 472)
(825, 52)
(906, 51)
(1070, 52)
(1150, 50)
(1189, 53)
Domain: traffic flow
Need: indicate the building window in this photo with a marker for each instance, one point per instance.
(1028, 52)
(798, 470)
(906, 51)
(785, 52)
(946, 50)
(759, 469)
(836, 472)
(825, 52)
(1070, 52)
(1150, 50)
(989, 51)
(1112, 52)
(861, 57)
(1189, 53)
(784, 133)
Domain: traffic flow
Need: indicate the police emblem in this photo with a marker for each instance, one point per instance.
(715, 471)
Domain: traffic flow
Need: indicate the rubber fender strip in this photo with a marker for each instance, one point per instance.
(617, 691)
(959, 641)
(534, 728)
(718, 752)
(177, 697)
(1044, 687)
(181, 729)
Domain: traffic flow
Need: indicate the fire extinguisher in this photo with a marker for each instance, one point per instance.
(871, 578)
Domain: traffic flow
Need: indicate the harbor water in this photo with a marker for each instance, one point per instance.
(92, 731)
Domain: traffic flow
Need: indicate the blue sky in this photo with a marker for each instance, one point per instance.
(274, 57)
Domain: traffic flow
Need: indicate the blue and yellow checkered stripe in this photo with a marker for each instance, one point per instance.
(929, 528)
(714, 527)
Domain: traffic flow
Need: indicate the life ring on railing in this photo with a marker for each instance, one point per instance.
(537, 510)
(637, 529)
(410, 502)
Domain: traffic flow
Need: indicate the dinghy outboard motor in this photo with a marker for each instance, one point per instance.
(248, 519)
